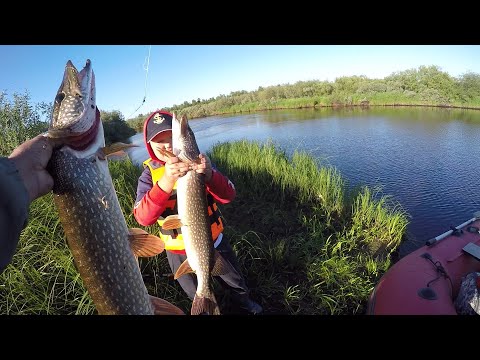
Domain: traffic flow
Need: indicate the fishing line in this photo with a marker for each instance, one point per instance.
(145, 67)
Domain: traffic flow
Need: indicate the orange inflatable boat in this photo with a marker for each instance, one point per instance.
(427, 281)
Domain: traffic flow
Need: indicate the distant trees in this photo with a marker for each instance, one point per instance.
(427, 85)
(115, 127)
(429, 82)
(469, 86)
(20, 120)
(136, 123)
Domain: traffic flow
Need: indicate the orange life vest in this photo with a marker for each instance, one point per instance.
(173, 238)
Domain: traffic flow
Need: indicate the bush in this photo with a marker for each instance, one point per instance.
(20, 121)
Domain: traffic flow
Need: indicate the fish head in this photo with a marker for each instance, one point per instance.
(183, 140)
(75, 116)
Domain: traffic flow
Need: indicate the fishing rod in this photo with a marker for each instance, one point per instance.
(145, 67)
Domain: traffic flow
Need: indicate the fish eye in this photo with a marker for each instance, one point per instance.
(60, 97)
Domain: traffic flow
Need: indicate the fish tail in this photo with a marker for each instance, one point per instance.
(205, 305)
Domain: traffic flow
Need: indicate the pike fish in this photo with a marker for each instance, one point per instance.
(105, 251)
(193, 219)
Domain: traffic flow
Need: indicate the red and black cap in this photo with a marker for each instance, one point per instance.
(156, 123)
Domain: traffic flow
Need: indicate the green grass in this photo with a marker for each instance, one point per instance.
(304, 244)
(307, 248)
(42, 278)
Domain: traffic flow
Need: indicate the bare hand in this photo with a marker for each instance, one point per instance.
(175, 169)
(205, 167)
(31, 159)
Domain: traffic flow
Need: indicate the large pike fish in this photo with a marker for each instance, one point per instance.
(105, 251)
(202, 259)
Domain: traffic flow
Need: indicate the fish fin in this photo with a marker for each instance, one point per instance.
(163, 307)
(167, 153)
(144, 244)
(183, 269)
(221, 266)
(205, 306)
(115, 149)
(170, 154)
(172, 222)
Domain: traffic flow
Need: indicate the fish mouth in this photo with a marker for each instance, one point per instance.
(82, 141)
(75, 118)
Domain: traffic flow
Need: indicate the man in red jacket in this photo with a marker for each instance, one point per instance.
(156, 199)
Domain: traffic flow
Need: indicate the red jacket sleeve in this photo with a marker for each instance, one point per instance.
(151, 200)
(151, 206)
(221, 187)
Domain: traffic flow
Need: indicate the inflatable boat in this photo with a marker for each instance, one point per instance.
(427, 281)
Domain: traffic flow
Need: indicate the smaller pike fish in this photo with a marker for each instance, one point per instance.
(105, 251)
(194, 221)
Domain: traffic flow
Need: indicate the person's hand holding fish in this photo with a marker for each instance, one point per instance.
(204, 167)
(174, 168)
(31, 159)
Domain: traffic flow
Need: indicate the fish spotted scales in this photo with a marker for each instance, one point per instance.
(99, 248)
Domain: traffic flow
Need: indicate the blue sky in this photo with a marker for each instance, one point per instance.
(178, 73)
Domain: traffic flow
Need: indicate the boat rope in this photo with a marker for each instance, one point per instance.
(440, 270)
(145, 67)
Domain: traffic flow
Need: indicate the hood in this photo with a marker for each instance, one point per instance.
(147, 145)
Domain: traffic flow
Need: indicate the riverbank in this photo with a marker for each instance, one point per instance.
(339, 106)
(194, 113)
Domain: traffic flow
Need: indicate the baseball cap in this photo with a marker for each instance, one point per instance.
(157, 122)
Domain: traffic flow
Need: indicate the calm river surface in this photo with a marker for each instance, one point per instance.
(427, 159)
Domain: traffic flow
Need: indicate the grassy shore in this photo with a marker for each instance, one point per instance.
(306, 245)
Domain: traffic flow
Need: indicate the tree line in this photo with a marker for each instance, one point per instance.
(426, 85)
